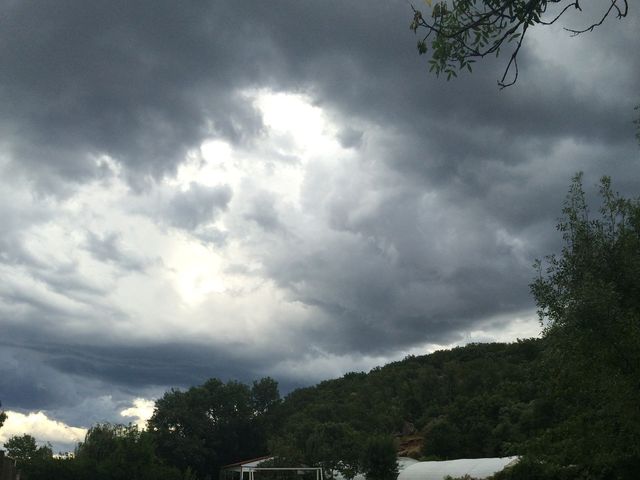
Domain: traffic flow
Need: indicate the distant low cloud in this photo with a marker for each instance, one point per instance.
(140, 411)
(43, 428)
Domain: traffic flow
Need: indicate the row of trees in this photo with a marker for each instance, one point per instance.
(109, 452)
(479, 400)
(217, 423)
(194, 433)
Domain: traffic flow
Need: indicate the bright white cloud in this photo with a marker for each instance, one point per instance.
(40, 426)
(185, 288)
(292, 116)
(140, 411)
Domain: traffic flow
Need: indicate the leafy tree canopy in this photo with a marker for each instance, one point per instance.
(457, 32)
(108, 452)
(24, 449)
(213, 424)
(334, 447)
(379, 459)
(589, 302)
(119, 452)
(483, 399)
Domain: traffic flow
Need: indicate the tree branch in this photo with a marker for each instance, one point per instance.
(621, 14)
(461, 30)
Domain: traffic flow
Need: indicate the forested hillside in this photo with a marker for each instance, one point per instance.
(472, 401)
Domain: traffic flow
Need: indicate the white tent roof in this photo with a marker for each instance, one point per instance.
(404, 462)
(474, 467)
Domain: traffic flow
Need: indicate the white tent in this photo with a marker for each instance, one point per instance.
(474, 467)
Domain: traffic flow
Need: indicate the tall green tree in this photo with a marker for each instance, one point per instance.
(379, 459)
(455, 33)
(589, 302)
(21, 448)
(213, 424)
(30, 458)
(334, 447)
(120, 452)
(264, 395)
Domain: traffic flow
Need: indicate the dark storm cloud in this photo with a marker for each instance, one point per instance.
(134, 367)
(264, 213)
(466, 181)
(59, 376)
(350, 65)
(29, 382)
(351, 138)
(66, 280)
(25, 383)
(42, 300)
(139, 82)
(143, 83)
(107, 248)
(199, 204)
(404, 274)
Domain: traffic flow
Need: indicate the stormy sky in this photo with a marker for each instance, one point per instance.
(240, 189)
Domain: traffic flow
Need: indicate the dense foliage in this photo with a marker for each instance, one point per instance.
(109, 452)
(479, 400)
(24, 449)
(379, 460)
(214, 424)
(589, 299)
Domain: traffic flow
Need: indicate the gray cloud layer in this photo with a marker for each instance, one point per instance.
(428, 234)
